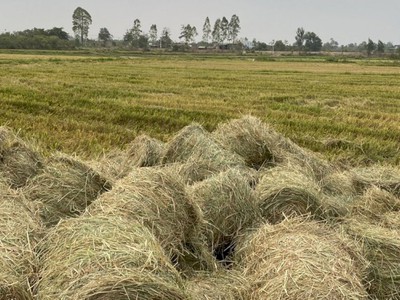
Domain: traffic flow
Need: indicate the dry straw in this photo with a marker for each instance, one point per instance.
(300, 259)
(144, 151)
(249, 138)
(101, 258)
(18, 160)
(228, 205)
(385, 177)
(19, 232)
(382, 247)
(156, 197)
(194, 143)
(285, 191)
(374, 203)
(65, 188)
(223, 284)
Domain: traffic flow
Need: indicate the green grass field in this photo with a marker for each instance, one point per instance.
(87, 103)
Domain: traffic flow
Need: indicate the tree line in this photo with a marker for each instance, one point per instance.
(223, 32)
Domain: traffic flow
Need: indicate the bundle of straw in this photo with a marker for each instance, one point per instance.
(382, 247)
(194, 143)
(156, 197)
(228, 205)
(374, 203)
(385, 177)
(144, 151)
(222, 284)
(20, 230)
(286, 191)
(18, 160)
(105, 258)
(248, 137)
(300, 259)
(65, 188)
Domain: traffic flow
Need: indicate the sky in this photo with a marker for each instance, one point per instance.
(346, 21)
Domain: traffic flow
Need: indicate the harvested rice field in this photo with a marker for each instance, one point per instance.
(84, 103)
(188, 178)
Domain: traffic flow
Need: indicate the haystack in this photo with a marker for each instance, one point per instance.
(228, 205)
(20, 230)
(105, 258)
(374, 203)
(18, 160)
(65, 187)
(248, 137)
(156, 197)
(300, 259)
(144, 151)
(382, 247)
(194, 143)
(223, 284)
(286, 191)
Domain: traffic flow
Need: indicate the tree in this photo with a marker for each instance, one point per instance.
(81, 20)
(312, 42)
(300, 38)
(132, 36)
(165, 39)
(58, 32)
(224, 29)
(153, 34)
(206, 30)
(216, 33)
(279, 46)
(234, 28)
(370, 47)
(188, 33)
(380, 47)
(104, 35)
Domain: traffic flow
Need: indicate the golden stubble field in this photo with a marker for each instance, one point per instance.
(90, 103)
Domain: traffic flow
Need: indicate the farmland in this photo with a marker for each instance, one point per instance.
(89, 103)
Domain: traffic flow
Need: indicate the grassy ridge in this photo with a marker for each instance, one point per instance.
(86, 104)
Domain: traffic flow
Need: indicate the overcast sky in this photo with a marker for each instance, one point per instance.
(344, 20)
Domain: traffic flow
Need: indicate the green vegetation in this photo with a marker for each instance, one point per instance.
(91, 103)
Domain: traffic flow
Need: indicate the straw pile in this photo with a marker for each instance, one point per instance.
(19, 232)
(374, 203)
(285, 192)
(105, 258)
(226, 285)
(228, 205)
(18, 160)
(382, 248)
(385, 177)
(249, 138)
(299, 259)
(65, 188)
(144, 151)
(194, 143)
(156, 197)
